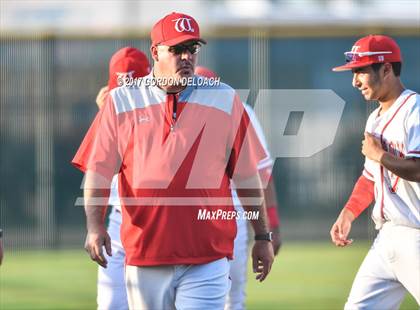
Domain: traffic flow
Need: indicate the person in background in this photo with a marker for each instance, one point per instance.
(238, 266)
(126, 63)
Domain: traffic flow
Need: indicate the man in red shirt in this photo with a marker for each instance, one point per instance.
(177, 148)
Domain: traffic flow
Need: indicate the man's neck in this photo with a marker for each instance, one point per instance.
(171, 89)
(391, 96)
(165, 86)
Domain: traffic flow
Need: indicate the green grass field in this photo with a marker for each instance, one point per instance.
(305, 276)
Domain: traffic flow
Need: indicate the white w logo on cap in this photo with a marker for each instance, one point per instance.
(183, 24)
(123, 75)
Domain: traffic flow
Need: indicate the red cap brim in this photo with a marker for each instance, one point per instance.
(181, 39)
(352, 65)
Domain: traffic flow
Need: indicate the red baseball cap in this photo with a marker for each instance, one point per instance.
(206, 72)
(127, 62)
(369, 50)
(175, 28)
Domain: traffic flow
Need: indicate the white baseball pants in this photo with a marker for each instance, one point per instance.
(390, 269)
(178, 287)
(111, 283)
(112, 294)
(238, 268)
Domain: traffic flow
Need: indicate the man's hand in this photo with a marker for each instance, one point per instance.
(276, 240)
(96, 186)
(372, 148)
(262, 258)
(101, 97)
(95, 240)
(341, 228)
(407, 168)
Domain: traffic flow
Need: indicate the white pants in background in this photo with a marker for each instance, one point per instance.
(390, 269)
(238, 267)
(111, 283)
(179, 287)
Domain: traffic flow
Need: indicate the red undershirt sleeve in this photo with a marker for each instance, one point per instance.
(273, 217)
(361, 197)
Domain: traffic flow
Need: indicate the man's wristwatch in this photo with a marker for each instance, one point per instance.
(268, 236)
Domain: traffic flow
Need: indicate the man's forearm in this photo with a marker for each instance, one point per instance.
(406, 168)
(260, 225)
(270, 198)
(361, 197)
(95, 212)
(96, 194)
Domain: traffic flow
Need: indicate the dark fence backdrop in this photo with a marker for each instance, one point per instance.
(48, 87)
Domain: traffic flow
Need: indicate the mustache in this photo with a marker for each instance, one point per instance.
(185, 65)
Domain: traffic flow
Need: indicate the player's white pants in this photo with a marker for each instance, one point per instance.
(180, 287)
(111, 283)
(390, 269)
(238, 267)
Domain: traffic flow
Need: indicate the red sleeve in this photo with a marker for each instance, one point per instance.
(247, 150)
(99, 149)
(270, 197)
(273, 217)
(361, 197)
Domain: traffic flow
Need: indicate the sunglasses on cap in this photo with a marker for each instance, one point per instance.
(356, 56)
(180, 49)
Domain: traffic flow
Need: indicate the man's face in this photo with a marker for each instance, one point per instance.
(177, 61)
(369, 82)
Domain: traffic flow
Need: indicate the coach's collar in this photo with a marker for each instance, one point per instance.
(183, 94)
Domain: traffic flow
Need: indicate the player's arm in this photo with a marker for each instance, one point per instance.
(265, 172)
(99, 158)
(360, 199)
(245, 154)
(96, 194)
(262, 251)
(270, 198)
(406, 168)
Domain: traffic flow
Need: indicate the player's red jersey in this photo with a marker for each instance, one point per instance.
(175, 155)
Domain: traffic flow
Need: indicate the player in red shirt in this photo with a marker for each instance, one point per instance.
(177, 149)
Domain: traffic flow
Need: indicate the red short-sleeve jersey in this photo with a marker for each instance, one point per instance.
(175, 155)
